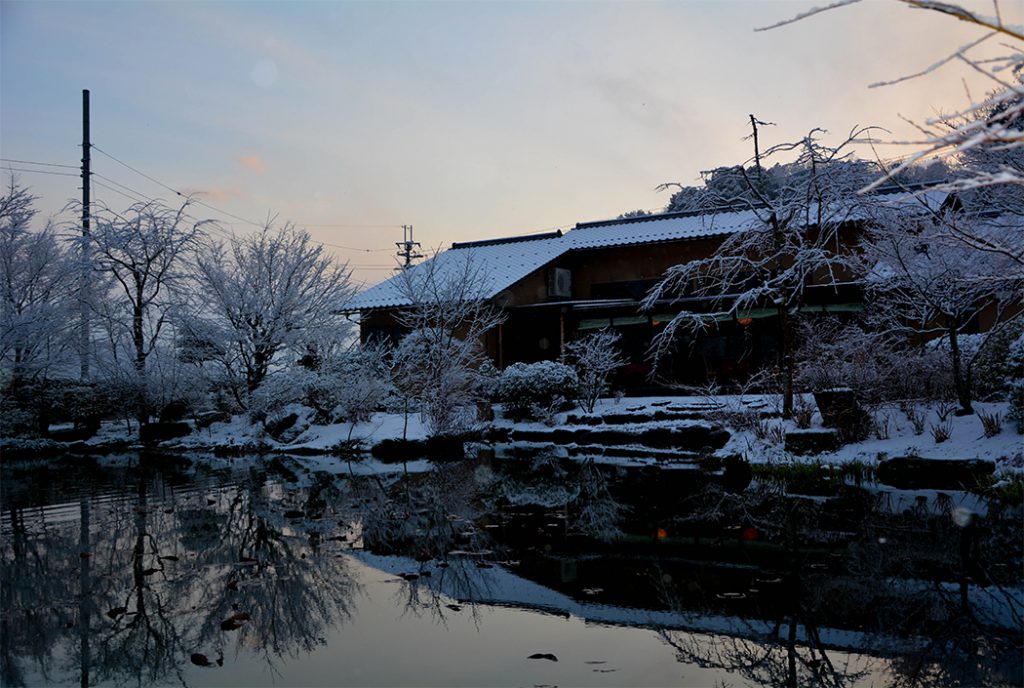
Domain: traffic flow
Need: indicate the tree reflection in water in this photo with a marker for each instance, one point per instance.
(148, 581)
(124, 588)
(916, 586)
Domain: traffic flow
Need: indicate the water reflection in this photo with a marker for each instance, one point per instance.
(139, 572)
(153, 580)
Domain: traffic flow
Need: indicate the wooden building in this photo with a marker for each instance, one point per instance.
(556, 287)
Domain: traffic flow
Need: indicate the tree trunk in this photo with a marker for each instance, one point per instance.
(961, 381)
(786, 362)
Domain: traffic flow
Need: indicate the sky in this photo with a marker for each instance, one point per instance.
(467, 120)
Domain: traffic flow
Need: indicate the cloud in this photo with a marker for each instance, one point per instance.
(253, 162)
(216, 193)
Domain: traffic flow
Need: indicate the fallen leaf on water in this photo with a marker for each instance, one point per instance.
(543, 655)
(234, 622)
(202, 660)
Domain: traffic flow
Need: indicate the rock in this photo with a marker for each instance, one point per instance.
(399, 450)
(736, 474)
(812, 441)
(151, 433)
(446, 448)
(173, 412)
(208, 418)
(840, 409)
(277, 427)
(913, 473)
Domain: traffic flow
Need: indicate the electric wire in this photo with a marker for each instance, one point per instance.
(56, 174)
(226, 213)
(33, 162)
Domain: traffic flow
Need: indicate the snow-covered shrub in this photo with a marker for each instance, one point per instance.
(438, 373)
(522, 386)
(875, 365)
(595, 357)
(274, 393)
(1014, 378)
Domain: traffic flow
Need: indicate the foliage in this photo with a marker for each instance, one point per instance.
(595, 357)
(524, 386)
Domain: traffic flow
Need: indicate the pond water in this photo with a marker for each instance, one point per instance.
(525, 570)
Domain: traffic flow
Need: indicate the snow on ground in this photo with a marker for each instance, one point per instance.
(966, 440)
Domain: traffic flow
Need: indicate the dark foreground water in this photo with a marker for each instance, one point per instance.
(530, 570)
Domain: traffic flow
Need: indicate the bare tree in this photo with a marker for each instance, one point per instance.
(595, 357)
(984, 139)
(142, 253)
(264, 295)
(793, 241)
(447, 318)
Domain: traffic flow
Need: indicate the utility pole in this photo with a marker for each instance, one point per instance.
(83, 280)
(757, 151)
(406, 248)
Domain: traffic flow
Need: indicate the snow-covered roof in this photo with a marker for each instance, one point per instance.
(657, 228)
(497, 264)
(500, 263)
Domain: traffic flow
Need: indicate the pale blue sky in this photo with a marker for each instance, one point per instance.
(466, 119)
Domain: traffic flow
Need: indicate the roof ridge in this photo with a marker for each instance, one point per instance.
(506, 240)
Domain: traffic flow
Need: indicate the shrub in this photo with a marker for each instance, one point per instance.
(1014, 377)
(523, 386)
(877, 366)
(595, 357)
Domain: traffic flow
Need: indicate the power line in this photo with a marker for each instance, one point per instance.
(224, 212)
(56, 174)
(33, 162)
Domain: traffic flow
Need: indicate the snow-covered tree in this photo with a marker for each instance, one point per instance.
(793, 242)
(262, 296)
(927, 284)
(983, 140)
(37, 276)
(441, 356)
(141, 256)
(595, 357)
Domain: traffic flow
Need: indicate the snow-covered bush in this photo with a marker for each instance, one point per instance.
(877, 366)
(595, 357)
(1015, 381)
(438, 373)
(523, 386)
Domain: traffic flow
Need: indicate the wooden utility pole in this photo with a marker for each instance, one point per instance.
(83, 280)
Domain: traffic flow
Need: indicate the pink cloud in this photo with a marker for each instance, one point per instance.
(253, 162)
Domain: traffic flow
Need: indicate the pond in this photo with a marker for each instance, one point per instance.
(518, 567)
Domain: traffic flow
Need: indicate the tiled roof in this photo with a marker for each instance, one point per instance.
(499, 263)
(656, 228)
